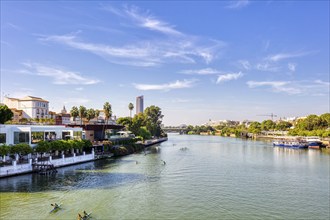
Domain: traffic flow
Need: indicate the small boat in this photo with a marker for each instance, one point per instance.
(315, 143)
(86, 216)
(296, 143)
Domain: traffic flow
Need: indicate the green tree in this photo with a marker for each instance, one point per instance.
(283, 126)
(126, 121)
(90, 114)
(5, 114)
(130, 107)
(43, 147)
(21, 149)
(325, 120)
(82, 113)
(137, 122)
(144, 133)
(107, 111)
(97, 113)
(4, 150)
(74, 113)
(255, 127)
(268, 125)
(154, 118)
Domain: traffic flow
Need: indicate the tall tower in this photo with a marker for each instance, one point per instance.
(139, 104)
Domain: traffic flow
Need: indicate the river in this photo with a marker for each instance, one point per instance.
(210, 178)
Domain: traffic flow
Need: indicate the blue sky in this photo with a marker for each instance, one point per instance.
(196, 60)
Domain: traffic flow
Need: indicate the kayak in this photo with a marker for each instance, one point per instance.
(85, 217)
(56, 208)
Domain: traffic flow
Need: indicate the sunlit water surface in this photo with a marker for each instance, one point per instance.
(214, 178)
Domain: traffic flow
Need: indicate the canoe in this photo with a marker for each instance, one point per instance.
(56, 208)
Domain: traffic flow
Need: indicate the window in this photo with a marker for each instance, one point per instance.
(21, 137)
(77, 135)
(2, 138)
(50, 135)
(36, 137)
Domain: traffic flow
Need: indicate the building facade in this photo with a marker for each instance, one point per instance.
(139, 104)
(32, 107)
(32, 134)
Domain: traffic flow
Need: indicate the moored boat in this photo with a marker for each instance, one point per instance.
(315, 143)
(296, 143)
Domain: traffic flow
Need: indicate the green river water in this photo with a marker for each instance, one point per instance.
(214, 178)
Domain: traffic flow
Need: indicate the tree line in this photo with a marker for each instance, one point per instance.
(312, 125)
(146, 124)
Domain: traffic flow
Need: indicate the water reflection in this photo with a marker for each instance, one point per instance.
(84, 176)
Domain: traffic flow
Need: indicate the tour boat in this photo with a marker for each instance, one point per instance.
(314, 142)
(301, 144)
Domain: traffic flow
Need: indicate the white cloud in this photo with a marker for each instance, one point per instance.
(228, 77)
(59, 75)
(292, 67)
(322, 83)
(79, 88)
(238, 4)
(167, 86)
(206, 71)
(277, 86)
(151, 50)
(268, 67)
(282, 56)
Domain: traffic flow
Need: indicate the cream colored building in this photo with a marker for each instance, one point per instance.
(32, 107)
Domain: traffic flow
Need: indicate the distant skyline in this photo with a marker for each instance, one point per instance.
(196, 60)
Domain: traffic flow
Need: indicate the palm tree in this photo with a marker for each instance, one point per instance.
(82, 113)
(107, 111)
(74, 113)
(90, 114)
(130, 107)
(97, 114)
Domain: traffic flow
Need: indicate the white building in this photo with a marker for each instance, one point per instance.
(32, 107)
(32, 134)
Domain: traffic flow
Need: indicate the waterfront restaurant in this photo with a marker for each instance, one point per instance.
(32, 134)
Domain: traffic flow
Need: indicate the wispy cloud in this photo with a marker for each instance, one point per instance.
(292, 67)
(238, 4)
(277, 86)
(206, 71)
(58, 74)
(12, 26)
(228, 77)
(282, 56)
(144, 53)
(167, 86)
(306, 87)
(172, 46)
(146, 20)
(245, 64)
(267, 66)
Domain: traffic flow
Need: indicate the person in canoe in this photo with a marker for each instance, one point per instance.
(56, 207)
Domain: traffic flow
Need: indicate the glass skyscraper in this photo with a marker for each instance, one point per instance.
(139, 104)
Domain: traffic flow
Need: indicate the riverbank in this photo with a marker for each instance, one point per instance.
(19, 169)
